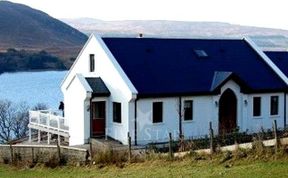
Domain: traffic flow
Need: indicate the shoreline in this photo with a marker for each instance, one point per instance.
(34, 70)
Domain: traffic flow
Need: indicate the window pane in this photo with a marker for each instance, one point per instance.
(257, 106)
(274, 104)
(92, 63)
(99, 109)
(188, 110)
(157, 112)
(117, 112)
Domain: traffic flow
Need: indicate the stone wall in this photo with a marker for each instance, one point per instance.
(41, 153)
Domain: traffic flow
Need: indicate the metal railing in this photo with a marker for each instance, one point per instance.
(48, 119)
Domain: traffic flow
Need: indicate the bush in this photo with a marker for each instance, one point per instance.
(109, 156)
(6, 160)
(52, 162)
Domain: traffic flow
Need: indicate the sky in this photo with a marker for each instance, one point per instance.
(262, 13)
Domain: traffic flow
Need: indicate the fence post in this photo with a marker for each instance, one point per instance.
(211, 134)
(129, 147)
(32, 154)
(91, 148)
(275, 135)
(12, 153)
(58, 151)
(39, 136)
(170, 146)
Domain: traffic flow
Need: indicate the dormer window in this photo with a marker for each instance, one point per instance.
(200, 53)
(92, 62)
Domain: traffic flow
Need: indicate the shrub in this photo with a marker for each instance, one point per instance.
(6, 160)
(110, 156)
(52, 162)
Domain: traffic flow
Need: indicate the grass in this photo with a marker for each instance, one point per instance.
(250, 166)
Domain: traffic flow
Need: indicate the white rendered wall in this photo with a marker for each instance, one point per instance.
(254, 124)
(115, 79)
(205, 109)
(81, 64)
(76, 104)
(147, 131)
(121, 89)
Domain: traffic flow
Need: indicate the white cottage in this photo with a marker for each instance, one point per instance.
(152, 86)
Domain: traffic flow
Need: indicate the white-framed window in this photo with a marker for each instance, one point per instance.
(92, 62)
(117, 112)
(274, 105)
(157, 112)
(188, 110)
(257, 106)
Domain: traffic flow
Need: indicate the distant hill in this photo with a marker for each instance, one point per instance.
(22, 27)
(264, 37)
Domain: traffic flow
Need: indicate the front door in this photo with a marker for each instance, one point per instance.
(98, 118)
(227, 112)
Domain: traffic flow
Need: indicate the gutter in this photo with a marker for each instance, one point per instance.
(91, 124)
(180, 116)
(135, 120)
(285, 104)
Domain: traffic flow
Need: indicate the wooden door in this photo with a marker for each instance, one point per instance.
(98, 118)
(227, 112)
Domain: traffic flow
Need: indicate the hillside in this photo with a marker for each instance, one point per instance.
(25, 28)
(264, 37)
(13, 60)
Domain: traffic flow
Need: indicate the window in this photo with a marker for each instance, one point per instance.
(92, 62)
(257, 106)
(200, 53)
(188, 110)
(157, 112)
(274, 105)
(98, 110)
(117, 112)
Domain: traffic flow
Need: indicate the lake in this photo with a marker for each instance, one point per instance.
(32, 87)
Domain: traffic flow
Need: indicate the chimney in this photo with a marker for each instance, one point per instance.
(140, 35)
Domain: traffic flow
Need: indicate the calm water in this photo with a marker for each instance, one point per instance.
(32, 87)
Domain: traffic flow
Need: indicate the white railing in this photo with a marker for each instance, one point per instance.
(48, 119)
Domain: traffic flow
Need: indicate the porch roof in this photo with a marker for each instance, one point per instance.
(98, 86)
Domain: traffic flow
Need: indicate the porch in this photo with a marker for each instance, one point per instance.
(49, 122)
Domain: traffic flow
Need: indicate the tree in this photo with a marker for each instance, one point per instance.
(14, 119)
(7, 115)
(21, 121)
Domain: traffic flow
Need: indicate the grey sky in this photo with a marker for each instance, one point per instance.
(264, 13)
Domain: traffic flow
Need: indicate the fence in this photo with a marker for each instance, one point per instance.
(229, 141)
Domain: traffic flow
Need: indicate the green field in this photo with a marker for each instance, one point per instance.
(162, 168)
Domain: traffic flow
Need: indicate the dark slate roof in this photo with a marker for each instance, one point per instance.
(280, 59)
(98, 86)
(168, 67)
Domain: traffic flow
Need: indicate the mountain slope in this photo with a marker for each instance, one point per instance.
(25, 28)
(265, 37)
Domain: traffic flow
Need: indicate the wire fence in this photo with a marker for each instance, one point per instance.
(212, 141)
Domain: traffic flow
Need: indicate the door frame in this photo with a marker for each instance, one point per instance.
(99, 99)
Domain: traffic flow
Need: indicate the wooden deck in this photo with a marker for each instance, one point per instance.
(48, 121)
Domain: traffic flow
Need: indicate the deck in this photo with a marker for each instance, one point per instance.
(49, 121)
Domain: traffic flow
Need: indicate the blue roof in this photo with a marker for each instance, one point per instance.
(280, 59)
(171, 66)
